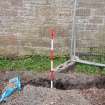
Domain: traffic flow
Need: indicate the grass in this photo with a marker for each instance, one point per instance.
(91, 70)
(39, 63)
(36, 63)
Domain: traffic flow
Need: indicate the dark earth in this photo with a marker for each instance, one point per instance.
(69, 89)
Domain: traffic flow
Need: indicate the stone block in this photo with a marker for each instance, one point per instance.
(91, 27)
(91, 4)
(83, 12)
(8, 40)
(96, 20)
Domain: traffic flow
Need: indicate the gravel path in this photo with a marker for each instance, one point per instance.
(32, 95)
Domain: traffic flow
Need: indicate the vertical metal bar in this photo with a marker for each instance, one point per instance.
(73, 39)
(52, 84)
(52, 55)
(52, 58)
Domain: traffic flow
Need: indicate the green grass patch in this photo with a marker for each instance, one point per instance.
(36, 63)
(40, 63)
(88, 69)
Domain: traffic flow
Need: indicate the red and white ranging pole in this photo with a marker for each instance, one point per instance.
(52, 72)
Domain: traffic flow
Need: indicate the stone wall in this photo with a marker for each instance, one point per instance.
(25, 25)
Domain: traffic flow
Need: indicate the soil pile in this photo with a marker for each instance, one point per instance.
(32, 95)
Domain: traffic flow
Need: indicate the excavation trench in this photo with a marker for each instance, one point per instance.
(62, 81)
(30, 93)
(69, 83)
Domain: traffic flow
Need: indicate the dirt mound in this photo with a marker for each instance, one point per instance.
(32, 95)
(94, 95)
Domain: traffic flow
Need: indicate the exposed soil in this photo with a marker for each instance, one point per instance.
(45, 96)
(94, 95)
(70, 89)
